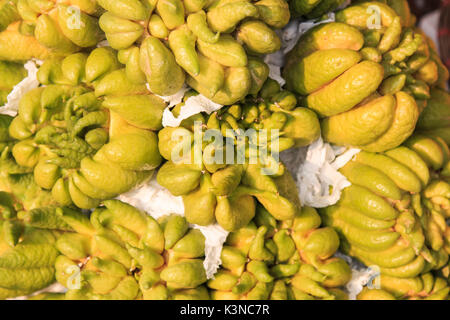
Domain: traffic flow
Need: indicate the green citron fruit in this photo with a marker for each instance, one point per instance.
(394, 214)
(348, 72)
(88, 135)
(120, 253)
(39, 29)
(273, 260)
(202, 44)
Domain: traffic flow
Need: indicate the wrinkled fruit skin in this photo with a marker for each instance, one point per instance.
(35, 270)
(30, 224)
(28, 237)
(368, 85)
(230, 194)
(42, 29)
(435, 119)
(17, 180)
(93, 130)
(229, 187)
(8, 14)
(207, 45)
(88, 135)
(120, 253)
(394, 214)
(277, 109)
(289, 260)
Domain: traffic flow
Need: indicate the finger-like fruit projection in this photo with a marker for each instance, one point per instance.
(29, 226)
(276, 109)
(206, 44)
(368, 85)
(10, 74)
(416, 59)
(313, 9)
(435, 119)
(402, 8)
(88, 134)
(46, 28)
(8, 13)
(291, 260)
(227, 160)
(15, 179)
(27, 253)
(121, 253)
(394, 214)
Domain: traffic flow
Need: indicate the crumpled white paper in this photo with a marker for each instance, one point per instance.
(314, 177)
(158, 202)
(319, 182)
(29, 83)
(192, 106)
(361, 276)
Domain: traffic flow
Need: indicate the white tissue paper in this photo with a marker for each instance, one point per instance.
(320, 184)
(360, 278)
(158, 202)
(29, 83)
(54, 288)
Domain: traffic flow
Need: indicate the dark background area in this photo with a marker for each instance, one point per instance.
(422, 7)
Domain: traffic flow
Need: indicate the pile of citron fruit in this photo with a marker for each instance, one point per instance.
(92, 130)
